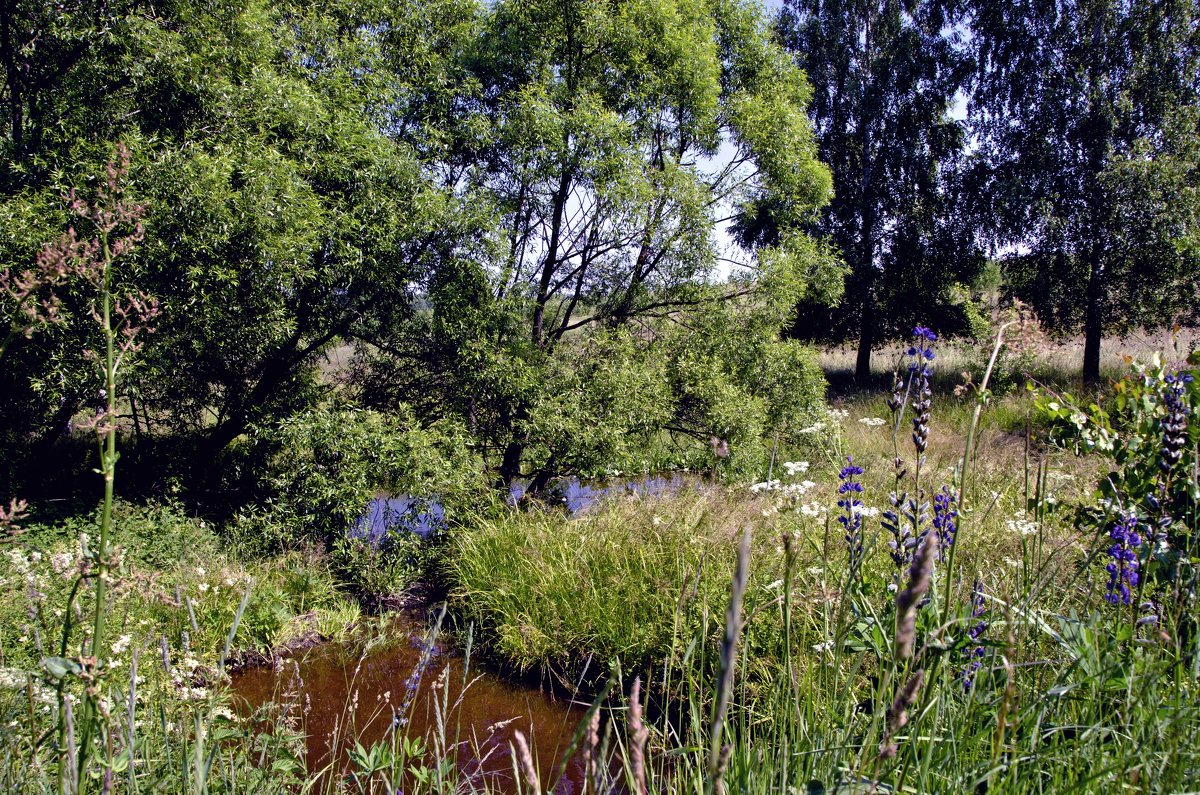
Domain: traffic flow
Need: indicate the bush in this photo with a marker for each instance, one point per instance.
(326, 465)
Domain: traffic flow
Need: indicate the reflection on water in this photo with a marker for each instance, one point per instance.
(347, 697)
(580, 495)
(399, 513)
(425, 517)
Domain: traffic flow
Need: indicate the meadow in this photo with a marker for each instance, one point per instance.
(818, 630)
(426, 396)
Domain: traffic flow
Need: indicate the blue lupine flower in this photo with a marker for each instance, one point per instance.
(1123, 568)
(896, 521)
(1174, 425)
(945, 519)
(920, 371)
(851, 518)
(978, 611)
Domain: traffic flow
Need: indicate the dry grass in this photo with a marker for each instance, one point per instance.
(1055, 361)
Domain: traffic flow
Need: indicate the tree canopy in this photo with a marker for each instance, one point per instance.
(1086, 117)
(512, 205)
(885, 76)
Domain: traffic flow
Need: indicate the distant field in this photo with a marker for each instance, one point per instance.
(1057, 361)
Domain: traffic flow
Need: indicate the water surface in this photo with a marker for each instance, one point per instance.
(389, 514)
(347, 695)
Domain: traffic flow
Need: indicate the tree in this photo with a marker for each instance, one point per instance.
(291, 201)
(595, 141)
(1086, 114)
(885, 75)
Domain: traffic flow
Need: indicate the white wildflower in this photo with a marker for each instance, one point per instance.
(62, 563)
(873, 422)
(1019, 524)
(19, 561)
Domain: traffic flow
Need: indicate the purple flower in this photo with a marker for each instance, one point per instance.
(1123, 567)
(978, 611)
(945, 519)
(920, 371)
(923, 333)
(1174, 425)
(851, 518)
(896, 521)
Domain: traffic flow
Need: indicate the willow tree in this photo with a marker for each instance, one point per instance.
(1087, 114)
(612, 140)
(287, 166)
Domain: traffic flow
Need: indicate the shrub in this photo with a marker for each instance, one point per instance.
(326, 465)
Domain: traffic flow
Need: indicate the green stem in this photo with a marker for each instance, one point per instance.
(966, 461)
(108, 462)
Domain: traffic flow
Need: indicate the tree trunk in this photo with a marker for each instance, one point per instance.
(550, 263)
(862, 363)
(510, 464)
(514, 450)
(1093, 323)
(1093, 331)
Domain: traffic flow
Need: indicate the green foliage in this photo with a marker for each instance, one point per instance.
(1086, 113)
(285, 209)
(598, 406)
(377, 570)
(1126, 428)
(326, 465)
(594, 121)
(734, 382)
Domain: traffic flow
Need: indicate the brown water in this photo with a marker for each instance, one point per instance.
(349, 695)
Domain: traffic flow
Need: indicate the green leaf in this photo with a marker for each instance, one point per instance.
(61, 667)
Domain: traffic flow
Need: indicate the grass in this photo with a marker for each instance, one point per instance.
(800, 688)
(623, 581)
(1051, 361)
(1070, 695)
(636, 577)
(176, 581)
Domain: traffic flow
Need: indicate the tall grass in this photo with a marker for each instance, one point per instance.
(1069, 694)
(770, 659)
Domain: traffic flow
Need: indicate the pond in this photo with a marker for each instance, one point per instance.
(347, 694)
